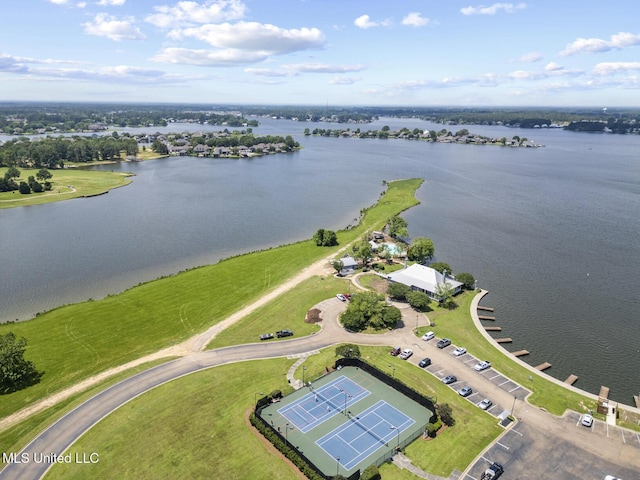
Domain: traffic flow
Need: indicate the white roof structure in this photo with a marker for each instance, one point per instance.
(419, 277)
(348, 262)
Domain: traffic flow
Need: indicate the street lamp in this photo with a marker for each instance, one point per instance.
(337, 466)
(392, 427)
(416, 321)
(303, 370)
(514, 405)
(255, 398)
(286, 433)
(393, 373)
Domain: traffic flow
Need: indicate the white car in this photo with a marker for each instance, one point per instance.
(406, 353)
(459, 351)
(341, 297)
(480, 366)
(587, 420)
(428, 336)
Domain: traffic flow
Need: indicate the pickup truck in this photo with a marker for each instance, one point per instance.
(493, 472)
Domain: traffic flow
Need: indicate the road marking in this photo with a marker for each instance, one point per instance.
(517, 387)
(503, 446)
(607, 425)
(516, 431)
(638, 437)
(506, 381)
(624, 440)
(495, 376)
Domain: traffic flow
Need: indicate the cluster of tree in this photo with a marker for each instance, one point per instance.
(325, 238)
(369, 310)
(421, 250)
(418, 300)
(397, 227)
(52, 152)
(612, 125)
(9, 182)
(314, 114)
(15, 371)
(348, 350)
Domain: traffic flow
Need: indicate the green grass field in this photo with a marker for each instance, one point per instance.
(66, 184)
(74, 342)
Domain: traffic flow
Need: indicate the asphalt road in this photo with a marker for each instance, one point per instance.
(540, 445)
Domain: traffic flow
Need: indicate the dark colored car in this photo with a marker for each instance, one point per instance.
(493, 472)
(445, 342)
(425, 362)
(266, 336)
(395, 351)
(284, 333)
(449, 379)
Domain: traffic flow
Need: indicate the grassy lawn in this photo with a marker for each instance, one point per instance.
(197, 427)
(15, 438)
(67, 183)
(458, 326)
(74, 342)
(286, 311)
(188, 440)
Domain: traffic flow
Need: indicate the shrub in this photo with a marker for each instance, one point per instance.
(418, 300)
(467, 279)
(398, 291)
(446, 415)
(370, 473)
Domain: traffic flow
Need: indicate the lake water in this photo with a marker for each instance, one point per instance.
(551, 232)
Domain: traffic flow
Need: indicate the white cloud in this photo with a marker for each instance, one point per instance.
(81, 4)
(257, 37)
(493, 9)
(104, 25)
(298, 68)
(415, 19)
(610, 68)
(531, 57)
(106, 3)
(341, 80)
(192, 13)
(364, 21)
(598, 45)
(58, 2)
(211, 58)
(553, 67)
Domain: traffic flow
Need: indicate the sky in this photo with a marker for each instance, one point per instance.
(323, 52)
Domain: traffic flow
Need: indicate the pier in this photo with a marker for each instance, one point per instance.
(520, 353)
(636, 399)
(486, 317)
(503, 340)
(493, 329)
(486, 309)
(571, 379)
(543, 366)
(604, 392)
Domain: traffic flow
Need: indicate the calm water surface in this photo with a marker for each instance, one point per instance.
(552, 232)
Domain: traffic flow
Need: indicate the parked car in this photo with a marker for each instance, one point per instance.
(459, 351)
(465, 391)
(425, 362)
(347, 296)
(587, 420)
(480, 366)
(493, 472)
(449, 379)
(428, 336)
(445, 342)
(266, 336)
(284, 333)
(341, 297)
(406, 353)
(395, 351)
(485, 404)
(611, 477)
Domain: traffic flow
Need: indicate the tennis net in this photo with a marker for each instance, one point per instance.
(325, 399)
(369, 431)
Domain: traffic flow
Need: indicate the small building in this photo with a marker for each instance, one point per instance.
(424, 279)
(349, 265)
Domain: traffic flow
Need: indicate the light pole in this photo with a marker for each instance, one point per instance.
(416, 321)
(255, 398)
(286, 434)
(393, 372)
(514, 405)
(304, 369)
(337, 466)
(392, 427)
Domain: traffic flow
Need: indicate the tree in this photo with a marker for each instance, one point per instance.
(348, 351)
(371, 473)
(467, 279)
(397, 227)
(420, 250)
(398, 291)
(364, 253)
(418, 300)
(444, 293)
(24, 188)
(441, 267)
(446, 414)
(338, 266)
(43, 175)
(15, 371)
(325, 238)
(368, 309)
(12, 172)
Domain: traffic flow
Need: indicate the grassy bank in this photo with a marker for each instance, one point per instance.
(74, 342)
(66, 184)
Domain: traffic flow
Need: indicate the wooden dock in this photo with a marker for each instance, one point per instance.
(604, 392)
(543, 366)
(486, 317)
(486, 309)
(636, 399)
(571, 379)
(493, 329)
(503, 340)
(520, 353)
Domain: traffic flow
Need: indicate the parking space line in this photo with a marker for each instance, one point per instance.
(503, 446)
(495, 376)
(638, 437)
(624, 440)
(514, 389)
(506, 381)
(607, 425)
(516, 431)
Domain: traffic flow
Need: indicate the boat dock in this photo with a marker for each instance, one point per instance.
(486, 309)
(486, 317)
(571, 379)
(543, 366)
(503, 340)
(493, 329)
(520, 353)
(636, 399)
(604, 392)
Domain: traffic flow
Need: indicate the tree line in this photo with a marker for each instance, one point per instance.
(10, 183)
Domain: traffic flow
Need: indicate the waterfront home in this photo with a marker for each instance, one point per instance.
(349, 265)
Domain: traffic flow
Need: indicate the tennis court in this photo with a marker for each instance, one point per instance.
(322, 403)
(355, 440)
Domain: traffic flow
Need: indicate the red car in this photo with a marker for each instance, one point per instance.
(395, 351)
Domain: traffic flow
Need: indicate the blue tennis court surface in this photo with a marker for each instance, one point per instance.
(323, 403)
(379, 425)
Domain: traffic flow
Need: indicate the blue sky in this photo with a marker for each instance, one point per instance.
(336, 52)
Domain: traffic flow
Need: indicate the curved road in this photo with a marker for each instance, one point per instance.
(63, 433)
